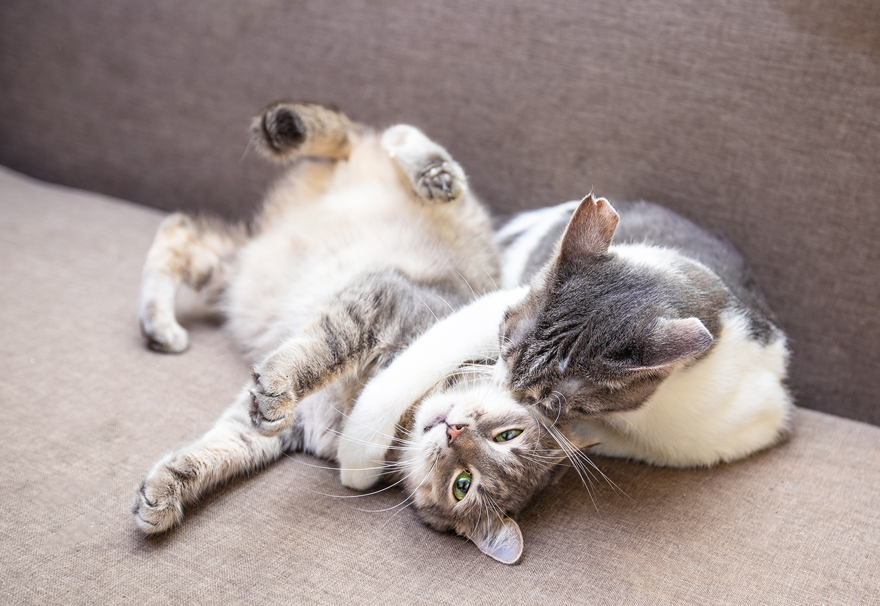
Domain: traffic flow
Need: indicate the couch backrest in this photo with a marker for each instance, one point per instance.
(758, 118)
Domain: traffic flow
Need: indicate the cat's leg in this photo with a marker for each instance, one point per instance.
(434, 175)
(361, 328)
(190, 251)
(286, 130)
(231, 448)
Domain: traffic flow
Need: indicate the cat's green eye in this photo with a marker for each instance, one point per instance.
(510, 434)
(461, 485)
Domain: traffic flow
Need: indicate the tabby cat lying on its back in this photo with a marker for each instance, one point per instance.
(367, 242)
(658, 348)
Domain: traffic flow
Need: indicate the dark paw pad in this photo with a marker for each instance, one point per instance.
(282, 128)
(438, 184)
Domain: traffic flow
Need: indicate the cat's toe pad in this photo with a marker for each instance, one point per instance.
(282, 128)
(440, 183)
(272, 410)
(435, 176)
(157, 507)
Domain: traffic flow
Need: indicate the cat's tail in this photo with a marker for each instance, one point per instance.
(286, 130)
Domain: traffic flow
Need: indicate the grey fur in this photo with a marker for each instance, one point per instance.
(590, 328)
(425, 252)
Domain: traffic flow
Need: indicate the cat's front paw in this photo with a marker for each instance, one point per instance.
(158, 504)
(440, 183)
(273, 403)
(168, 338)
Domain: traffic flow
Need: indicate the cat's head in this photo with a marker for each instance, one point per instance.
(600, 329)
(474, 459)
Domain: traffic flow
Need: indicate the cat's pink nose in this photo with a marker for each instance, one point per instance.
(453, 431)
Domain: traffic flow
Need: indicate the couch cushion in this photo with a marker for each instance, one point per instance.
(86, 409)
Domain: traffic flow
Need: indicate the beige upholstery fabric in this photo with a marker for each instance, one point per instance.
(760, 118)
(85, 409)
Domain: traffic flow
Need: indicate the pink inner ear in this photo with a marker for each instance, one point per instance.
(590, 229)
(502, 542)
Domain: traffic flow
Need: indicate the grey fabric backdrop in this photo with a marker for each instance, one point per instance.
(760, 118)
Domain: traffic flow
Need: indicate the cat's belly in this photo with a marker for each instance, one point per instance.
(283, 278)
(321, 417)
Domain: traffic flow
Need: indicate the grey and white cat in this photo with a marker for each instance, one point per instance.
(657, 348)
(359, 249)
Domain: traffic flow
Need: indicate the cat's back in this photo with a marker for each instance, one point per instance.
(719, 399)
(528, 241)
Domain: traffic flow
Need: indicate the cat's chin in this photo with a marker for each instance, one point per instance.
(437, 419)
(432, 413)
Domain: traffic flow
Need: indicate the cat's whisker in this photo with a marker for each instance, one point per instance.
(368, 443)
(556, 394)
(345, 416)
(639, 431)
(540, 459)
(375, 492)
(582, 456)
(411, 497)
(412, 494)
(246, 149)
(452, 309)
(578, 465)
(332, 468)
(394, 515)
(486, 271)
(386, 472)
(469, 284)
(496, 508)
(480, 512)
(560, 397)
(428, 307)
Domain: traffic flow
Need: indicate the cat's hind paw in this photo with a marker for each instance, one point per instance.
(440, 183)
(434, 175)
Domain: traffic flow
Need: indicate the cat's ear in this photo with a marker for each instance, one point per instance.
(589, 230)
(502, 540)
(674, 341)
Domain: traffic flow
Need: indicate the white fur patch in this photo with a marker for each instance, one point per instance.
(656, 258)
(531, 228)
(724, 407)
(526, 220)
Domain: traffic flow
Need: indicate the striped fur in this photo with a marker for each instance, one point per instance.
(658, 347)
(354, 255)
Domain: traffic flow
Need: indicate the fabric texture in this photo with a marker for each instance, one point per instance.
(756, 118)
(87, 409)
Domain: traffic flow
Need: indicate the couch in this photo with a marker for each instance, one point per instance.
(756, 118)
